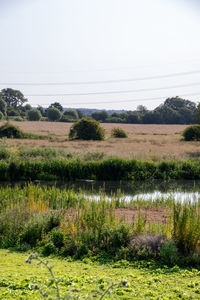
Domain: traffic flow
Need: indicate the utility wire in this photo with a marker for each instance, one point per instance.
(132, 100)
(117, 92)
(103, 81)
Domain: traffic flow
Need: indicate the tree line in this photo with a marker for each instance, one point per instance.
(174, 110)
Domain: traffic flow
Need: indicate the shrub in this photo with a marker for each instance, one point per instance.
(118, 132)
(169, 253)
(1, 115)
(18, 119)
(57, 238)
(149, 241)
(53, 114)
(186, 229)
(192, 133)
(37, 226)
(34, 115)
(12, 112)
(65, 119)
(71, 114)
(48, 249)
(87, 129)
(10, 131)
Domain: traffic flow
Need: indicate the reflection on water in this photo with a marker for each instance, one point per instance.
(127, 190)
(178, 190)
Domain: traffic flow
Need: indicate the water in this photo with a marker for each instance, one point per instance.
(187, 190)
(179, 190)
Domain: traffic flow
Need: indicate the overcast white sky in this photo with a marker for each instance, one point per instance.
(58, 41)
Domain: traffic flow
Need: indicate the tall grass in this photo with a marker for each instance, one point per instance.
(108, 169)
(68, 223)
(186, 226)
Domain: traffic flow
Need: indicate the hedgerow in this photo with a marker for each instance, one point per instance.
(108, 169)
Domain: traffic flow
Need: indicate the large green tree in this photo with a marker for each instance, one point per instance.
(56, 105)
(13, 98)
(3, 106)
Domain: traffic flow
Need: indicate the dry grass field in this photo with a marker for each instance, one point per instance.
(146, 142)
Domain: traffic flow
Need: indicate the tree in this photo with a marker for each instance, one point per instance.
(53, 114)
(100, 116)
(141, 109)
(86, 129)
(197, 115)
(13, 98)
(41, 109)
(132, 118)
(176, 103)
(72, 114)
(12, 112)
(3, 106)
(80, 114)
(56, 105)
(34, 115)
(27, 107)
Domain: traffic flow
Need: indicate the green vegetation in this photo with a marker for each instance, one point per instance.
(14, 153)
(192, 133)
(10, 131)
(174, 110)
(66, 223)
(118, 132)
(71, 114)
(34, 115)
(87, 129)
(90, 166)
(141, 280)
(53, 114)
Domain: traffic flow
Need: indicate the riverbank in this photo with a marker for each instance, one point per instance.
(108, 169)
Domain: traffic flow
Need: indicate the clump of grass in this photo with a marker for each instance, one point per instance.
(186, 227)
(118, 132)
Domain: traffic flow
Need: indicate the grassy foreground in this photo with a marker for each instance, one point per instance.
(143, 281)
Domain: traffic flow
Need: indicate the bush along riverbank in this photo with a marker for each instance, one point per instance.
(65, 223)
(108, 169)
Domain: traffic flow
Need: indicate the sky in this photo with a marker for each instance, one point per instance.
(105, 54)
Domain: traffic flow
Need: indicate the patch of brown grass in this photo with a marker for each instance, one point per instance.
(146, 142)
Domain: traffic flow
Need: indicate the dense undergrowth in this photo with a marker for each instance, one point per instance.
(108, 169)
(66, 223)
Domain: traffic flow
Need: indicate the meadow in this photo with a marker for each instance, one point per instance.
(148, 248)
(144, 142)
(142, 280)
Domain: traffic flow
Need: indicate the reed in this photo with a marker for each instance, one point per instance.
(64, 222)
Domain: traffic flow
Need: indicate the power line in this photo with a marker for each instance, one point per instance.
(117, 92)
(103, 81)
(132, 100)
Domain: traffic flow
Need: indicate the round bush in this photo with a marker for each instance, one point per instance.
(118, 132)
(34, 115)
(87, 129)
(192, 133)
(71, 114)
(53, 114)
(10, 131)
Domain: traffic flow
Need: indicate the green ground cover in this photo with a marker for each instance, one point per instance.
(142, 280)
